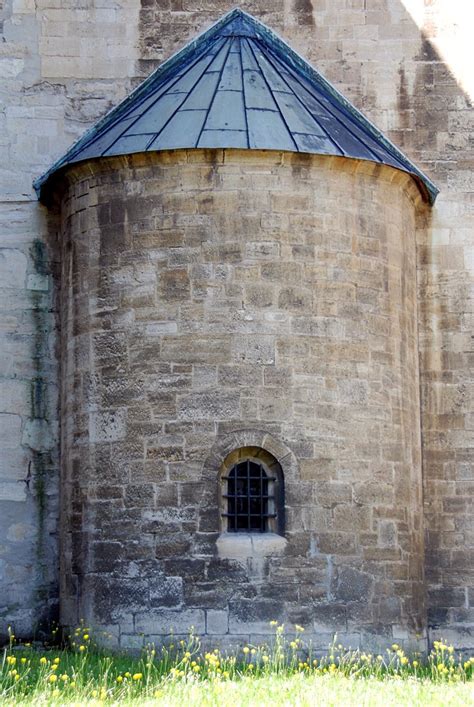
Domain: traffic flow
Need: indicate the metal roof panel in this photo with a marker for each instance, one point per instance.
(238, 85)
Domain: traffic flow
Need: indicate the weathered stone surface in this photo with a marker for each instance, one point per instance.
(227, 376)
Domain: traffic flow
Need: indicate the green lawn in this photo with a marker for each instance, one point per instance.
(322, 690)
(284, 672)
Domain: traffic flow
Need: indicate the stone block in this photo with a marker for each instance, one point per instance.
(108, 425)
(203, 406)
(12, 491)
(39, 434)
(353, 585)
(217, 622)
(10, 430)
(170, 622)
(166, 592)
(13, 263)
(253, 616)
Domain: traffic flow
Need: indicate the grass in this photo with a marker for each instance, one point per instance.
(285, 672)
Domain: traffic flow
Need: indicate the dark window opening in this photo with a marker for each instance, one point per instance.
(249, 497)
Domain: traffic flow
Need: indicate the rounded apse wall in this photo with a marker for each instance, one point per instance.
(255, 304)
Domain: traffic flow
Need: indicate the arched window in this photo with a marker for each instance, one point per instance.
(252, 492)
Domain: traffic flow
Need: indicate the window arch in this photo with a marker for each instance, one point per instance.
(252, 492)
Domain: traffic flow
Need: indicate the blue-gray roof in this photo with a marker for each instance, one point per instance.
(238, 85)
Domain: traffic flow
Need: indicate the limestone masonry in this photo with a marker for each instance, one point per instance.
(172, 318)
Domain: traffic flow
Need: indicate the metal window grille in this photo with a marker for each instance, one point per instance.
(249, 496)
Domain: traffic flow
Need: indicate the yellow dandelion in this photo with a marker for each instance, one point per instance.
(64, 677)
(395, 646)
(128, 675)
(293, 645)
(119, 678)
(273, 623)
(55, 666)
(53, 678)
(23, 660)
(82, 648)
(300, 629)
(415, 663)
(196, 668)
(43, 660)
(86, 636)
(17, 677)
(265, 658)
(137, 676)
(250, 666)
(56, 660)
(246, 649)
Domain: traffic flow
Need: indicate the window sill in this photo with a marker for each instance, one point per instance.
(241, 546)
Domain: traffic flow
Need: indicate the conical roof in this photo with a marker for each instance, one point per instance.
(238, 85)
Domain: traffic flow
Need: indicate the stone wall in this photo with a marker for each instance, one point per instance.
(214, 300)
(56, 76)
(64, 63)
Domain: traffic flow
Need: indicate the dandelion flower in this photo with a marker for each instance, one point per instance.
(82, 648)
(246, 649)
(137, 676)
(53, 678)
(43, 660)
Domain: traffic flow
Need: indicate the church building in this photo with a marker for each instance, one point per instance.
(249, 385)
